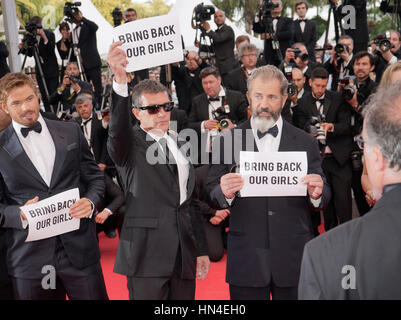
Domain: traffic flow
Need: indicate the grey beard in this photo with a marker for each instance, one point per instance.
(263, 124)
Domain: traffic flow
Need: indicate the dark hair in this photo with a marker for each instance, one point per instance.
(362, 54)
(241, 39)
(14, 80)
(319, 73)
(300, 2)
(147, 86)
(209, 71)
(63, 25)
(131, 9)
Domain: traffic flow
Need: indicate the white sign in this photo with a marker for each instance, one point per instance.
(50, 217)
(273, 174)
(150, 42)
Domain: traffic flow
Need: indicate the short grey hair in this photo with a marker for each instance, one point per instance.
(147, 86)
(382, 123)
(82, 97)
(247, 47)
(268, 73)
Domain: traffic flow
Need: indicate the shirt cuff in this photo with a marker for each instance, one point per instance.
(93, 208)
(120, 89)
(203, 130)
(109, 211)
(24, 223)
(230, 201)
(316, 203)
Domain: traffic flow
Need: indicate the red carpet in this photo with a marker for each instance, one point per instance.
(213, 287)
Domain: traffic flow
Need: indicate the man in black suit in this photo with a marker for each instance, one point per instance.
(69, 88)
(304, 29)
(340, 64)
(157, 250)
(209, 108)
(85, 31)
(363, 87)
(4, 69)
(283, 28)
(223, 43)
(236, 79)
(267, 234)
(338, 145)
(40, 158)
(48, 61)
(361, 259)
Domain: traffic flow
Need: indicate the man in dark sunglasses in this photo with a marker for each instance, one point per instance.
(162, 246)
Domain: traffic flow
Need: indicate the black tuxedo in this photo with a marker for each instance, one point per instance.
(284, 34)
(267, 234)
(336, 165)
(224, 43)
(308, 37)
(3, 59)
(237, 80)
(98, 138)
(74, 167)
(87, 44)
(67, 98)
(368, 244)
(180, 117)
(158, 236)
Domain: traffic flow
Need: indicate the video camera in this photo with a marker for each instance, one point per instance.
(71, 9)
(292, 88)
(117, 16)
(315, 128)
(266, 8)
(29, 39)
(203, 13)
(349, 90)
(221, 115)
(382, 41)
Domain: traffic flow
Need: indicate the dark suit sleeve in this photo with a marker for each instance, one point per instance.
(286, 33)
(92, 27)
(227, 34)
(115, 193)
(242, 109)
(50, 45)
(342, 126)
(3, 50)
(309, 287)
(194, 121)
(197, 227)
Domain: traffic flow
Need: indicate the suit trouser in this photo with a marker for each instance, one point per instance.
(51, 84)
(214, 238)
(77, 284)
(359, 194)
(263, 293)
(95, 75)
(340, 179)
(163, 288)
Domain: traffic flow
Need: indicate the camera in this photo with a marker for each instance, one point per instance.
(29, 39)
(73, 78)
(316, 128)
(298, 54)
(382, 41)
(340, 48)
(33, 27)
(349, 90)
(292, 88)
(356, 159)
(203, 13)
(70, 9)
(64, 116)
(267, 7)
(221, 115)
(117, 16)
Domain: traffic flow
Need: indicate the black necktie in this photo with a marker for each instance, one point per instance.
(37, 127)
(273, 131)
(169, 156)
(214, 99)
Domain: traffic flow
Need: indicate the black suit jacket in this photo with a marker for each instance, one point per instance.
(267, 234)
(87, 44)
(284, 34)
(200, 110)
(360, 33)
(181, 119)
(224, 43)
(156, 225)
(369, 244)
(67, 98)
(308, 37)
(4, 69)
(236, 80)
(349, 69)
(73, 167)
(338, 112)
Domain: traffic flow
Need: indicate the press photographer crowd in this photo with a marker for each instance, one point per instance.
(73, 126)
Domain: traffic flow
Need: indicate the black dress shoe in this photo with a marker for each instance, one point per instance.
(110, 234)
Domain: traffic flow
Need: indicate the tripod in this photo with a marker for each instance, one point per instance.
(268, 22)
(208, 52)
(74, 49)
(337, 26)
(38, 65)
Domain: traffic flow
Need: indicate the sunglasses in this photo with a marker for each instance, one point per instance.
(155, 109)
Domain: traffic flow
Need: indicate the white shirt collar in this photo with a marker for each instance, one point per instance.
(222, 93)
(279, 124)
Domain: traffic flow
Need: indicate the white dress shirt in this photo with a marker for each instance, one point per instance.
(39, 148)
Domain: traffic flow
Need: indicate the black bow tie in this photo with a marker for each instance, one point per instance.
(37, 127)
(86, 121)
(320, 100)
(214, 99)
(273, 131)
(302, 20)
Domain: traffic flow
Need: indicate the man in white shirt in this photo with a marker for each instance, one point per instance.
(267, 234)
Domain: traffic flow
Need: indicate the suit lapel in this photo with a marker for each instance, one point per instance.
(14, 148)
(327, 102)
(205, 111)
(60, 144)
(287, 140)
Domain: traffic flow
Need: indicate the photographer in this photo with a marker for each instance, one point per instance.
(4, 69)
(341, 60)
(69, 88)
(356, 93)
(64, 47)
(386, 48)
(296, 81)
(85, 33)
(223, 43)
(282, 28)
(325, 114)
(45, 42)
(215, 110)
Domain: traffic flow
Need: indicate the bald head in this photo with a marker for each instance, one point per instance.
(219, 17)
